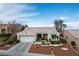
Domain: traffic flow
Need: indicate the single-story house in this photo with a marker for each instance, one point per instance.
(30, 34)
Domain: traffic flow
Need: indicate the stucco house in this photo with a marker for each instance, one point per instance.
(9, 28)
(30, 34)
(72, 35)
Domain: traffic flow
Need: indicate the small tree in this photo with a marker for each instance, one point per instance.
(26, 25)
(60, 26)
(23, 27)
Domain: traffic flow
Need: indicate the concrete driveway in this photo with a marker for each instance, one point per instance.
(20, 49)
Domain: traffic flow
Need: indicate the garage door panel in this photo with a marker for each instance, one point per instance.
(27, 38)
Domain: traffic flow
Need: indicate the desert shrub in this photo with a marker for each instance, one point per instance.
(43, 39)
(17, 41)
(53, 42)
(10, 42)
(4, 40)
(61, 35)
(5, 35)
(43, 42)
(38, 39)
(63, 41)
(73, 43)
(47, 43)
(58, 42)
(49, 40)
(53, 36)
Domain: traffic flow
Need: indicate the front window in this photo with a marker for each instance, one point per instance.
(39, 36)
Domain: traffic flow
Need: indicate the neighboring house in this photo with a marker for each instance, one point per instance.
(9, 28)
(72, 35)
(30, 34)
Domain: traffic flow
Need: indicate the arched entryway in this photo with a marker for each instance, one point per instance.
(3, 31)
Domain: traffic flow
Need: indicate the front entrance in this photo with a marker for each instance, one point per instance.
(40, 36)
(45, 36)
(3, 31)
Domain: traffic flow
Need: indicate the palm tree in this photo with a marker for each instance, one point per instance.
(60, 26)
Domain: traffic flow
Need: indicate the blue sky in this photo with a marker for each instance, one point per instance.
(42, 14)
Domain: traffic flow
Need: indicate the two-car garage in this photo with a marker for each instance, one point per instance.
(27, 38)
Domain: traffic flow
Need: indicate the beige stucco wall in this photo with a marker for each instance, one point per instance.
(36, 30)
(15, 27)
(5, 27)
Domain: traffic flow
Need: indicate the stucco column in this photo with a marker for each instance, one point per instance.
(49, 36)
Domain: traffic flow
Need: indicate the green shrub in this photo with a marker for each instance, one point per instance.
(17, 41)
(46, 40)
(47, 43)
(38, 39)
(54, 36)
(61, 35)
(63, 41)
(5, 35)
(49, 40)
(10, 42)
(73, 43)
(43, 42)
(5, 40)
(58, 42)
(53, 42)
(43, 39)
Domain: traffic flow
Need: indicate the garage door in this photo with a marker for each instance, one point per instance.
(27, 38)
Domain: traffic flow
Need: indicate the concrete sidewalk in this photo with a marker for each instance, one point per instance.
(37, 54)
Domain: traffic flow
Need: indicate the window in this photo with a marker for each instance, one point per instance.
(39, 36)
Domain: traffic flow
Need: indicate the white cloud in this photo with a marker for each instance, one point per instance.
(62, 17)
(51, 25)
(9, 12)
(37, 24)
(72, 24)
